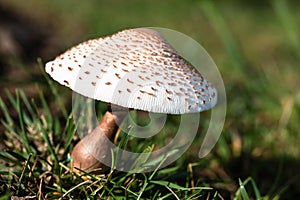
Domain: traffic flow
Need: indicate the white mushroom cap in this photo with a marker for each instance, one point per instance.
(137, 69)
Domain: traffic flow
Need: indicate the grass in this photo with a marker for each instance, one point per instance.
(37, 164)
(257, 157)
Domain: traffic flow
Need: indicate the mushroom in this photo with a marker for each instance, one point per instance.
(135, 69)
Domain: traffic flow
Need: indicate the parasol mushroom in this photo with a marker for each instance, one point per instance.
(136, 69)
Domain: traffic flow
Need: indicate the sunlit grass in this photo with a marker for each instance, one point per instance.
(36, 162)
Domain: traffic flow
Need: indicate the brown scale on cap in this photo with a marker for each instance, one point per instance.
(117, 75)
(66, 82)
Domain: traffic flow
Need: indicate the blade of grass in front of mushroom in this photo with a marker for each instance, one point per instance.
(143, 158)
(69, 131)
(147, 182)
(122, 144)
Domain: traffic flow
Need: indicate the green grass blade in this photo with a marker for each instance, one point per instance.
(44, 126)
(144, 187)
(7, 116)
(46, 109)
(143, 158)
(122, 144)
(69, 131)
(75, 187)
(212, 13)
(12, 99)
(49, 145)
(169, 170)
(255, 189)
(26, 103)
(243, 191)
(150, 177)
(178, 187)
(17, 156)
(23, 172)
(289, 24)
(4, 156)
(21, 122)
(11, 130)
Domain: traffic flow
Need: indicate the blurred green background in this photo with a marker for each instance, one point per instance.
(255, 44)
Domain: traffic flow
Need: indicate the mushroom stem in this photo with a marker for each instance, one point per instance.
(94, 150)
